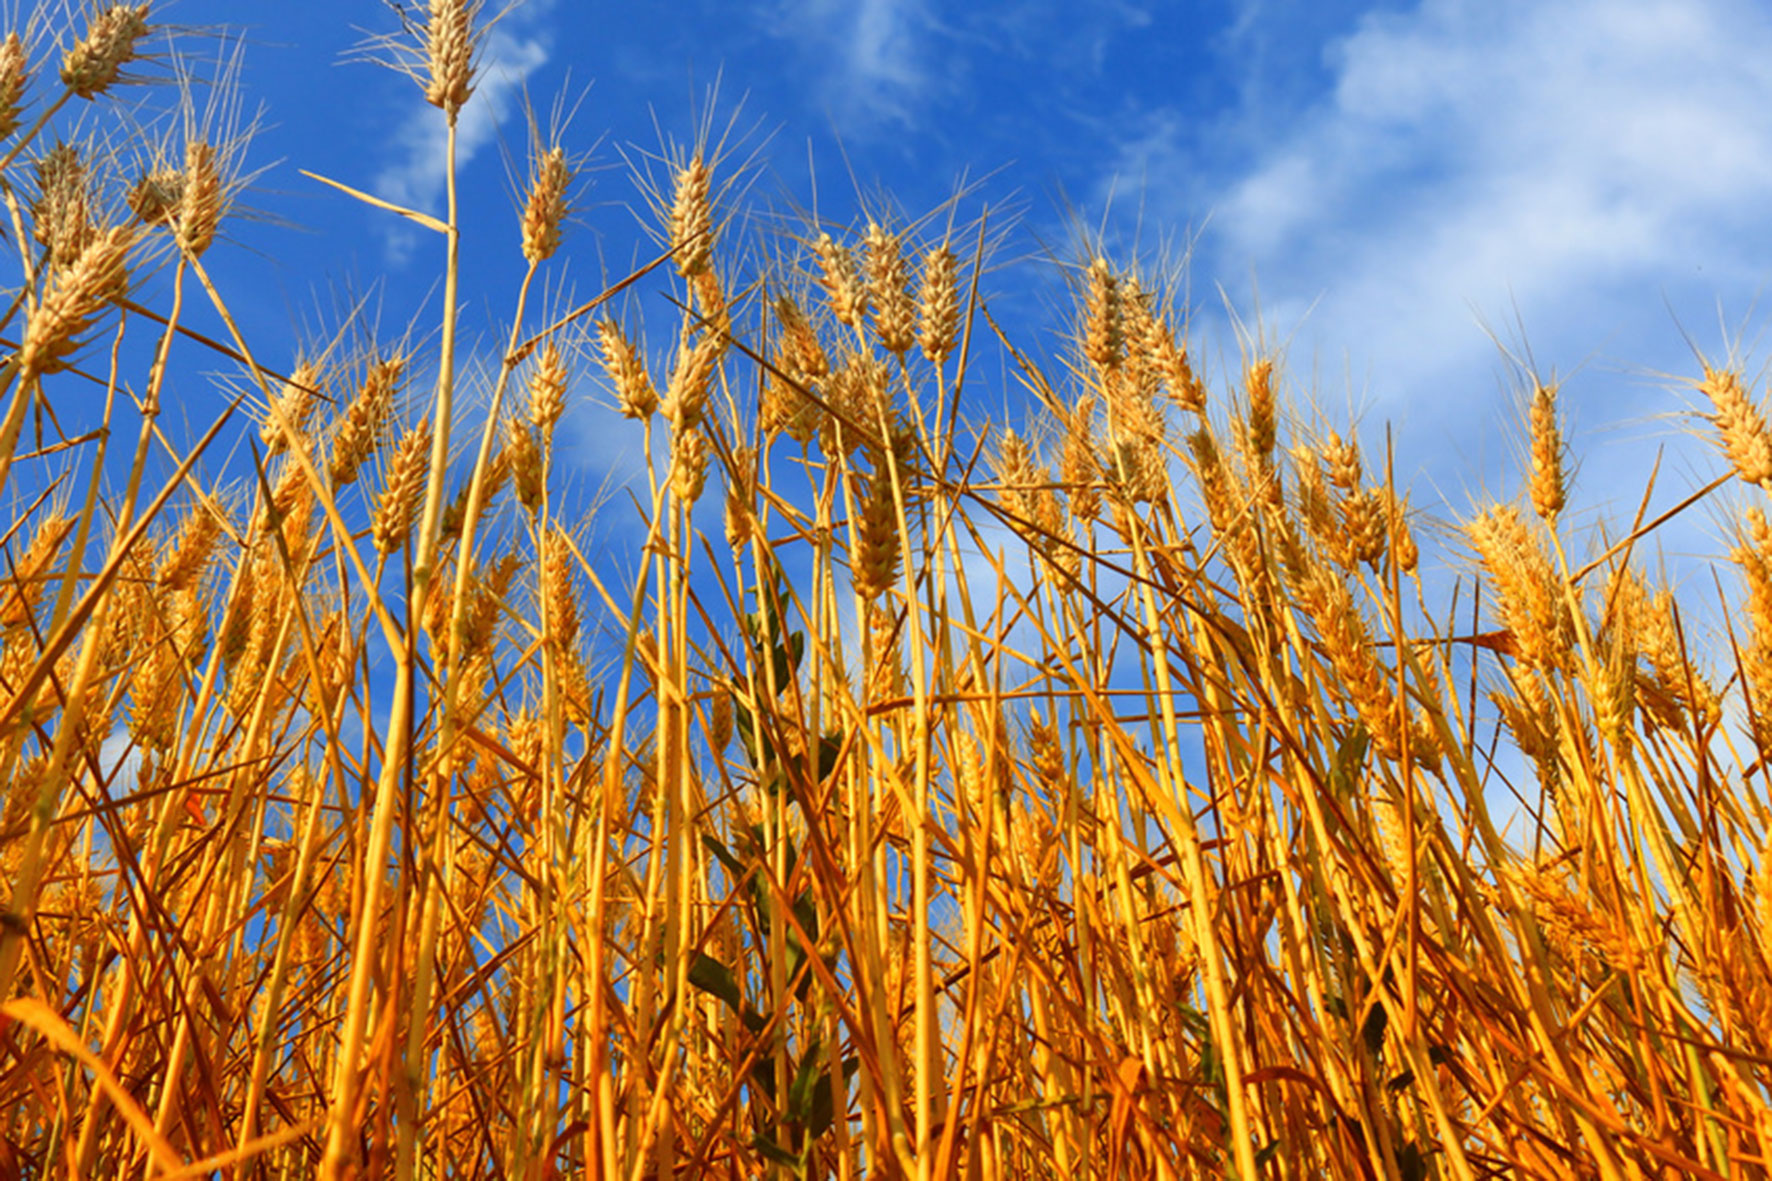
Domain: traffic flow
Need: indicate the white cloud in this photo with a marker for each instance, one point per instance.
(415, 178)
(1578, 160)
(871, 50)
(1591, 179)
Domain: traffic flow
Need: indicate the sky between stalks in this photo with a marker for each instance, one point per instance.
(1383, 190)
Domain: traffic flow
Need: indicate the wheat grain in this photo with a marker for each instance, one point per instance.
(635, 396)
(75, 296)
(877, 551)
(399, 499)
(523, 453)
(15, 76)
(1015, 475)
(803, 356)
(938, 304)
(857, 395)
(188, 556)
(1403, 548)
(895, 317)
(200, 198)
(155, 196)
(97, 59)
(741, 493)
(545, 207)
(1103, 337)
(1365, 528)
(686, 394)
(689, 463)
(359, 430)
(61, 216)
(1548, 492)
(290, 409)
(547, 390)
(841, 279)
(1532, 604)
(1740, 426)
(449, 55)
(690, 233)
(1258, 385)
(1079, 469)
(710, 301)
(559, 596)
(1184, 387)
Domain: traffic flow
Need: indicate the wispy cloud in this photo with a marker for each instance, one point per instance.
(871, 54)
(415, 175)
(1574, 159)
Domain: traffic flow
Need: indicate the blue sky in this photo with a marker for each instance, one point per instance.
(1379, 187)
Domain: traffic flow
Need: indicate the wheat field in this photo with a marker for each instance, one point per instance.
(1145, 786)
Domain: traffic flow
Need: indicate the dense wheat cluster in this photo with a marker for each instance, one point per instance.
(1105, 794)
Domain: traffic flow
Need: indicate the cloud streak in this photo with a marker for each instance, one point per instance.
(870, 55)
(1574, 159)
(415, 177)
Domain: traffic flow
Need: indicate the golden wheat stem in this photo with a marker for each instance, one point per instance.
(15, 920)
(294, 904)
(1532, 984)
(70, 583)
(215, 914)
(1413, 1037)
(927, 1039)
(130, 532)
(1172, 798)
(450, 732)
(878, 1095)
(123, 991)
(347, 1077)
(451, 76)
(882, 1097)
(673, 742)
(607, 1148)
(340, 1151)
(641, 1114)
(430, 527)
(982, 795)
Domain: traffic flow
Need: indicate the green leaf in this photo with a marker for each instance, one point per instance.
(806, 914)
(716, 979)
(806, 1076)
(723, 855)
(763, 1074)
(746, 726)
(806, 911)
(786, 659)
(774, 1151)
(1211, 1068)
(824, 1101)
(830, 748)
